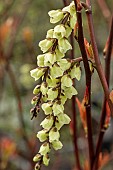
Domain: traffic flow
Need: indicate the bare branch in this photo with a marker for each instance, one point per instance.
(88, 80)
(97, 59)
(103, 114)
(105, 10)
(19, 102)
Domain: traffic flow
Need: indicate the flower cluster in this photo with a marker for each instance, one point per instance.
(57, 74)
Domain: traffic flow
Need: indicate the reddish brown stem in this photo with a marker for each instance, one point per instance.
(88, 81)
(103, 115)
(105, 10)
(88, 2)
(108, 55)
(66, 2)
(74, 114)
(97, 59)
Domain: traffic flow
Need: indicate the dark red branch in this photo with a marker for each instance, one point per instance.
(88, 81)
(74, 113)
(97, 59)
(108, 54)
(103, 114)
(66, 2)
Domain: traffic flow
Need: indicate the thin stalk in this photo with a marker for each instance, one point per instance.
(16, 28)
(88, 2)
(0, 156)
(7, 7)
(96, 57)
(19, 103)
(88, 81)
(66, 2)
(105, 10)
(74, 114)
(108, 55)
(103, 114)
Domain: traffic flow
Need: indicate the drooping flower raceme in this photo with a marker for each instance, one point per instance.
(56, 74)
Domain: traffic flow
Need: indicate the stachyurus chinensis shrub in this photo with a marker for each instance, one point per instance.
(57, 73)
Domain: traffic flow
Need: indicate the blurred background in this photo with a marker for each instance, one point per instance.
(23, 23)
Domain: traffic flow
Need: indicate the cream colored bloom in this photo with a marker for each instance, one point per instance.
(37, 166)
(61, 120)
(58, 54)
(75, 72)
(68, 31)
(69, 91)
(46, 160)
(52, 82)
(57, 145)
(55, 15)
(37, 157)
(73, 20)
(63, 98)
(44, 88)
(64, 118)
(36, 89)
(52, 94)
(37, 73)
(50, 58)
(66, 81)
(59, 31)
(64, 45)
(64, 64)
(57, 108)
(42, 135)
(56, 71)
(50, 33)
(47, 108)
(40, 60)
(70, 8)
(45, 45)
(47, 122)
(54, 135)
(44, 149)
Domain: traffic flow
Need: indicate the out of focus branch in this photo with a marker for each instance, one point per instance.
(15, 30)
(6, 58)
(19, 102)
(66, 2)
(105, 10)
(8, 6)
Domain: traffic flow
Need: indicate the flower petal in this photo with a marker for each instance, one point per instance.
(55, 15)
(54, 135)
(37, 73)
(66, 81)
(45, 45)
(42, 135)
(47, 122)
(46, 160)
(47, 108)
(44, 149)
(57, 145)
